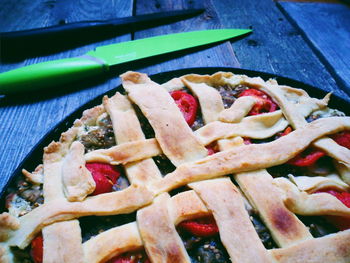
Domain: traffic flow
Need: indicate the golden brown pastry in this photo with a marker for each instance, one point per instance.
(220, 168)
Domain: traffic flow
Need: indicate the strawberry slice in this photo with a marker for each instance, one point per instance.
(307, 157)
(344, 197)
(342, 223)
(36, 250)
(247, 141)
(287, 131)
(342, 138)
(264, 102)
(187, 104)
(212, 148)
(105, 176)
(202, 227)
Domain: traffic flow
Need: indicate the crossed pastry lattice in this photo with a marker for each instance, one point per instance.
(67, 182)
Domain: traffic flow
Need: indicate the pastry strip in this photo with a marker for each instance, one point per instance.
(237, 232)
(343, 170)
(112, 242)
(313, 184)
(217, 79)
(63, 243)
(173, 84)
(122, 202)
(266, 198)
(286, 229)
(297, 120)
(53, 158)
(127, 128)
(240, 159)
(125, 152)
(77, 180)
(209, 99)
(338, 152)
(62, 240)
(162, 242)
(257, 127)
(173, 134)
(303, 203)
(238, 110)
(35, 177)
(252, 157)
(330, 248)
(186, 205)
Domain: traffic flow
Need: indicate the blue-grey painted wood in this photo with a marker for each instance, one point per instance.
(275, 46)
(26, 118)
(220, 55)
(327, 29)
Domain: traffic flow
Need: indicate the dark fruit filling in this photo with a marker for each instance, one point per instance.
(100, 137)
(25, 197)
(131, 257)
(201, 240)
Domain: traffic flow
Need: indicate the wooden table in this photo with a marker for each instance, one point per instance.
(305, 41)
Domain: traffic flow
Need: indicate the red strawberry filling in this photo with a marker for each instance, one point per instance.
(247, 141)
(311, 155)
(202, 227)
(264, 102)
(187, 104)
(307, 157)
(36, 250)
(342, 138)
(105, 176)
(342, 223)
(287, 131)
(212, 148)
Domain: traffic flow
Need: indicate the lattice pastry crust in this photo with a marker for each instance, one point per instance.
(67, 183)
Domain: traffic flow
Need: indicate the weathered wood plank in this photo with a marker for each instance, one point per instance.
(275, 45)
(26, 118)
(217, 55)
(326, 28)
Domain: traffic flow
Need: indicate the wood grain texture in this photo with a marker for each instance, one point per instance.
(216, 55)
(275, 45)
(26, 118)
(328, 34)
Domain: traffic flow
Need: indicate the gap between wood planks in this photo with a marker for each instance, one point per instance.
(322, 58)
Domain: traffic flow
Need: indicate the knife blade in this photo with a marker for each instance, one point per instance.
(116, 24)
(99, 61)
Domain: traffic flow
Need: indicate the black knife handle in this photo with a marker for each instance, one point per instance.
(53, 31)
(131, 23)
(17, 45)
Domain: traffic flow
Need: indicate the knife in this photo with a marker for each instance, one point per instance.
(130, 23)
(99, 61)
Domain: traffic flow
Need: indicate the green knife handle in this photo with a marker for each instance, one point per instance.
(51, 73)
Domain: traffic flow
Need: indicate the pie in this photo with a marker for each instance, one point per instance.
(202, 168)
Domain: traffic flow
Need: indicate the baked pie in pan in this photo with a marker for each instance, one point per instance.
(202, 168)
